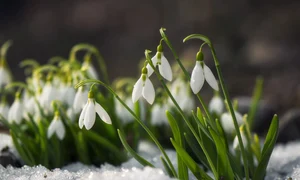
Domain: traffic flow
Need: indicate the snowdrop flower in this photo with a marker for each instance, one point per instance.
(67, 93)
(88, 114)
(158, 115)
(81, 97)
(4, 110)
(15, 112)
(227, 121)
(200, 73)
(236, 144)
(5, 77)
(56, 127)
(90, 69)
(163, 65)
(49, 94)
(181, 93)
(216, 105)
(143, 87)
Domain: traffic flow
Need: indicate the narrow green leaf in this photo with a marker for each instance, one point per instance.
(83, 151)
(105, 144)
(255, 100)
(140, 159)
(196, 149)
(20, 150)
(166, 166)
(182, 169)
(224, 166)
(267, 149)
(192, 165)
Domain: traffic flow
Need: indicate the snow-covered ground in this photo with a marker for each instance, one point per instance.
(284, 163)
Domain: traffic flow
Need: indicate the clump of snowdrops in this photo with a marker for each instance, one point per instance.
(210, 139)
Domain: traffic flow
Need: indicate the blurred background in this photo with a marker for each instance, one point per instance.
(251, 37)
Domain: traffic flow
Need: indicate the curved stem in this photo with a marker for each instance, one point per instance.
(182, 114)
(226, 96)
(187, 75)
(136, 118)
(92, 49)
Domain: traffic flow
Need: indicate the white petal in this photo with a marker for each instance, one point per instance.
(210, 78)
(92, 72)
(165, 69)
(90, 115)
(102, 113)
(4, 111)
(80, 99)
(149, 68)
(216, 105)
(197, 78)
(82, 115)
(137, 90)
(236, 143)
(227, 121)
(60, 130)
(51, 128)
(148, 91)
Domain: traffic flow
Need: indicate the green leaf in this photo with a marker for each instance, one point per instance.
(255, 100)
(182, 169)
(224, 166)
(267, 149)
(140, 159)
(197, 151)
(167, 168)
(192, 165)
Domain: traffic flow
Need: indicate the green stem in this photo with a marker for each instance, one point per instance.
(182, 114)
(92, 49)
(136, 118)
(187, 75)
(226, 96)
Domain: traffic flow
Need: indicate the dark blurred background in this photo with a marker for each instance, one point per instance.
(251, 37)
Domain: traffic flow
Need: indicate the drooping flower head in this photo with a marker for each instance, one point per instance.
(216, 104)
(15, 113)
(163, 65)
(88, 114)
(200, 73)
(56, 127)
(143, 87)
(227, 121)
(80, 99)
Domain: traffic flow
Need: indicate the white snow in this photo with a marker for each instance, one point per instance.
(284, 163)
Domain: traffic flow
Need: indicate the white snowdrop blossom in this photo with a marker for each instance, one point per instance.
(88, 114)
(15, 113)
(182, 94)
(67, 93)
(90, 69)
(49, 93)
(216, 105)
(163, 65)
(5, 77)
(143, 87)
(80, 99)
(4, 108)
(200, 73)
(158, 115)
(56, 127)
(236, 144)
(227, 121)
